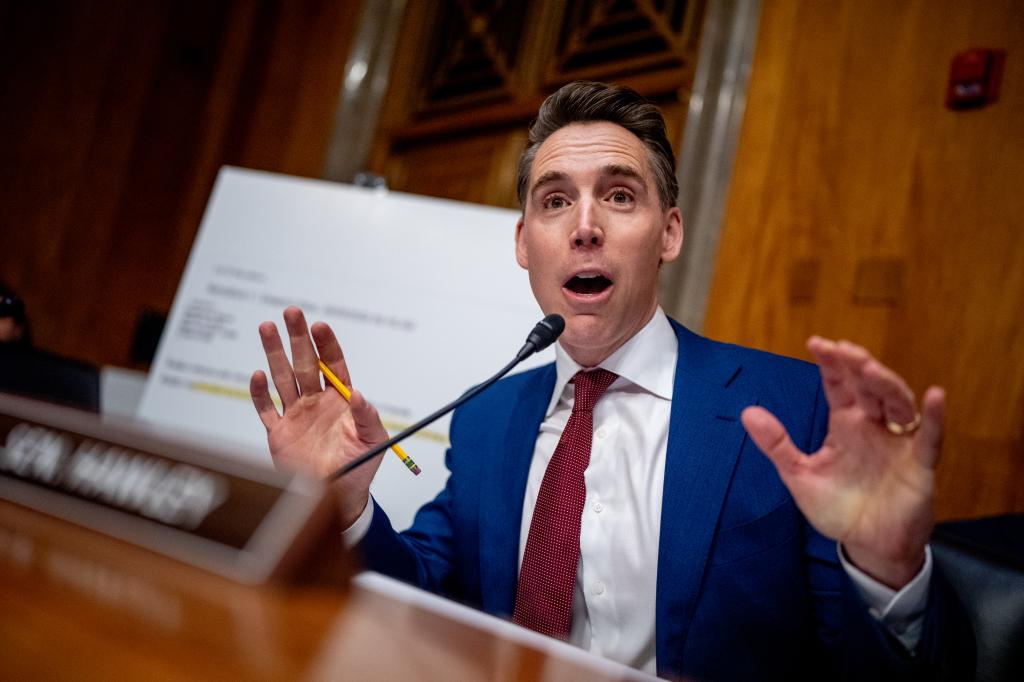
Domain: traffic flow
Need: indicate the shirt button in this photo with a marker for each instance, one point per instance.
(598, 507)
(598, 587)
(601, 433)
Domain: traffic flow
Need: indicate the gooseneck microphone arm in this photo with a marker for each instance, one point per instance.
(542, 336)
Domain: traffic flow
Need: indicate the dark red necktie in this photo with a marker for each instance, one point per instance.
(547, 577)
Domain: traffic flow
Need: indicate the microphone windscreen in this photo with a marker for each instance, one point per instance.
(546, 331)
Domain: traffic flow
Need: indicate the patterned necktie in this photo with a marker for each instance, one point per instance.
(547, 577)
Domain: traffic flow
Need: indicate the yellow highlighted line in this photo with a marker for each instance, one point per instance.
(436, 436)
(226, 391)
(243, 394)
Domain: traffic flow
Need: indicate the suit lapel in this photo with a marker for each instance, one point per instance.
(704, 442)
(705, 439)
(502, 490)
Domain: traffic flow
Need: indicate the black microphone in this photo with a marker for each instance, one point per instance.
(543, 335)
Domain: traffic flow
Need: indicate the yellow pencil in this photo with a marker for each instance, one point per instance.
(347, 395)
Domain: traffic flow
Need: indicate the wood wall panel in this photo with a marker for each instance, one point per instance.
(114, 120)
(467, 79)
(862, 208)
(485, 172)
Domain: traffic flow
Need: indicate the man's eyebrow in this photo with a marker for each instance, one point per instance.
(617, 169)
(548, 177)
(612, 169)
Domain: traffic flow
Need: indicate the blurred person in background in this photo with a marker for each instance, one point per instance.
(14, 328)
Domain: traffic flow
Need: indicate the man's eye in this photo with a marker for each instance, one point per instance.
(555, 202)
(621, 197)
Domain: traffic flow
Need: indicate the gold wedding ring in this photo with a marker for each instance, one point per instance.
(898, 429)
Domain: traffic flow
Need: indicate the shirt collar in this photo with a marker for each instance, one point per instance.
(648, 360)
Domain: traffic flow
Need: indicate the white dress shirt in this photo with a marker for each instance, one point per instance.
(613, 608)
(614, 603)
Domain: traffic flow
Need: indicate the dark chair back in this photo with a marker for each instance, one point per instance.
(983, 559)
(44, 376)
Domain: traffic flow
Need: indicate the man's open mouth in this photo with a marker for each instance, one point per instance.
(588, 283)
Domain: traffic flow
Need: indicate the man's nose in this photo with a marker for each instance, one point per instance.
(588, 231)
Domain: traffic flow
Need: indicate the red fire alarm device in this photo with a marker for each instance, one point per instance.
(974, 78)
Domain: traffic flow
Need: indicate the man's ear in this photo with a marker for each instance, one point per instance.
(672, 237)
(520, 246)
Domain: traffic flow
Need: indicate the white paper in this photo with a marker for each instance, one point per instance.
(424, 295)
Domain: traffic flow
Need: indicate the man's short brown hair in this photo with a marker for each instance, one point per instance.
(586, 102)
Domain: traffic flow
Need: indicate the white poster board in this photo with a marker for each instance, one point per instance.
(424, 294)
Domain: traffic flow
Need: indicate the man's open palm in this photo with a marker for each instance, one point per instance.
(867, 487)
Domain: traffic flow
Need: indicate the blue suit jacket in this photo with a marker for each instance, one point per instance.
(746, 588)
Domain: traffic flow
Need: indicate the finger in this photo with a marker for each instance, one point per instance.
(855, 358)
(928, 440)
(304, 357)
(890, 390)
(330, 351)
(369, 427)
(834, 377)
(770, 436)
(260, 393)
(280, 368)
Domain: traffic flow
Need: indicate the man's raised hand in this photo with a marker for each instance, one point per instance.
(868, 486)
(319, 431)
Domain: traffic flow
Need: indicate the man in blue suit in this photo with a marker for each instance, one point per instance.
(619, 498)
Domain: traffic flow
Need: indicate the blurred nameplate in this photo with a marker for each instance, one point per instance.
(200, 507)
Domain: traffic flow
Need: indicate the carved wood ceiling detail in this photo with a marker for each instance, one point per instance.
(601, 38)
(483, 52)
(474, 51)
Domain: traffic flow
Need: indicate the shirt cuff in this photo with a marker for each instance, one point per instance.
(355, 533)
(902, 612)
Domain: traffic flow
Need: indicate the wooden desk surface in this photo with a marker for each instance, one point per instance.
(78, 605)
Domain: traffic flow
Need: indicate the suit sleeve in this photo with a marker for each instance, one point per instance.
(422, 555)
